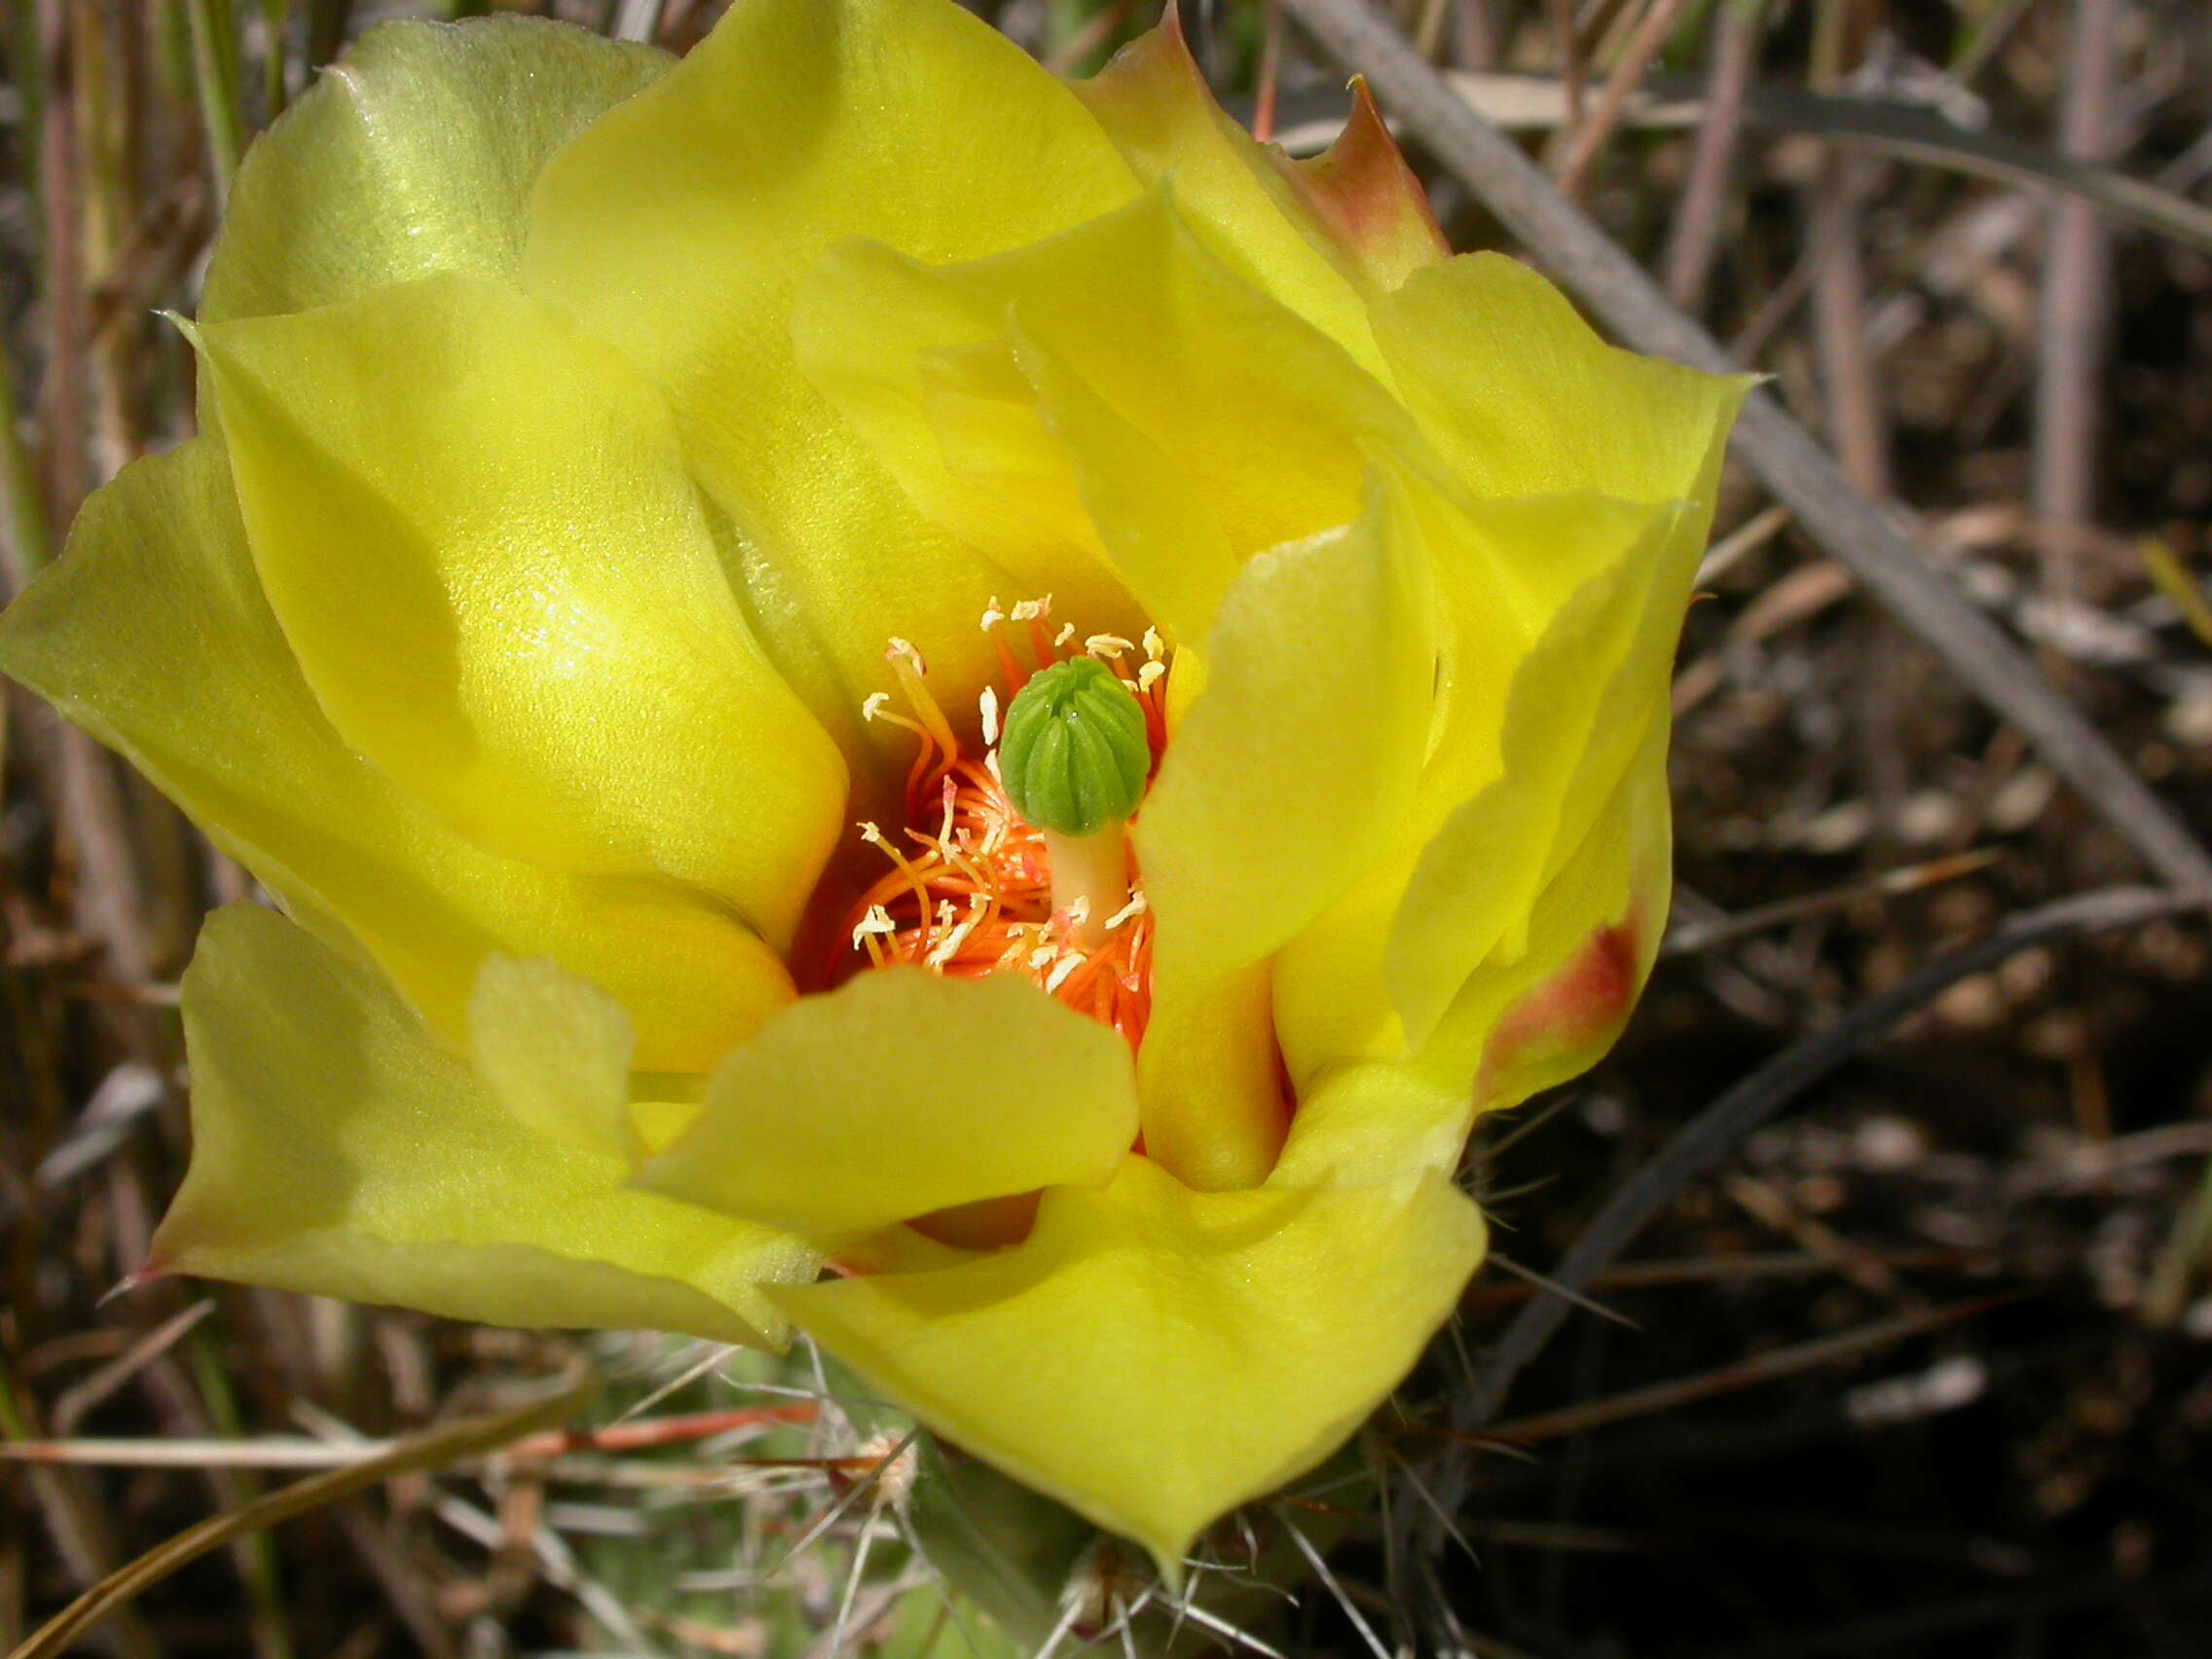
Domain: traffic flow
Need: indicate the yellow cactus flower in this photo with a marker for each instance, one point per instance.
(893, 696)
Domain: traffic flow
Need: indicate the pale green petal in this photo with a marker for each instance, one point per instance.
(476, 528)
(555, 1051)
(899, 1093)
(1291, 772)
(152, 632)
(338, 1149)
(1153, 1356)
(1524, 400)
(414, 153)
(682, 226)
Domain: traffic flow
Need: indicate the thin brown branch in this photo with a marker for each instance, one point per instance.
(1737, 33)
(2075, 302)
(1582, 150)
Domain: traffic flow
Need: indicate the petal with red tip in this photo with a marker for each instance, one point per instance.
(1363, 191)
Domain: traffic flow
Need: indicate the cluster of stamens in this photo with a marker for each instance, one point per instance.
(972, 891)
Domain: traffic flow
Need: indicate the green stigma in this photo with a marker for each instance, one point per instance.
(1073, 753)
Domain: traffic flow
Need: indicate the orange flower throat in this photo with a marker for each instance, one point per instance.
(971, 888)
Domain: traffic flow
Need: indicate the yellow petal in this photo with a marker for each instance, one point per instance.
(152, 632)
(1117, 373)
(338, 1149)
(1577, 712)
(1518, 1023)
(413, 155)
(901, 1092)
(1153, 1356)
(476, 528)
(1291, 772)
(1240, 198)
(554, 1051)
(1594, 932)
(1524, 399)
(921, 366)
(683, 224)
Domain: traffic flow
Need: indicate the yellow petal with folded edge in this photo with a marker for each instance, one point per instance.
(1523, 398)
(903, 1093)
(1152, 1356)
(1288, 778)
(555, 1051)
(681, 226)
(1332, 1000)
(1153, 102)
(152, 632)
(1594, 933)
(476, 528)
(1579, 706)
(338, 1149)
(1514, 1027)
(414, 153)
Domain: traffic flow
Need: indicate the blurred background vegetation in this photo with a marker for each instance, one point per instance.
(1925, 1366)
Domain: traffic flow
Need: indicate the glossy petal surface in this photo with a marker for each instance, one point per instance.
(476, 528)
(338, 1149)
(1152, 1356)
(681, 227)
(414, 153)
(152, 632)
(899, 1093)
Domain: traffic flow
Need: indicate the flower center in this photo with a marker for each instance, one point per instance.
(1014, 859)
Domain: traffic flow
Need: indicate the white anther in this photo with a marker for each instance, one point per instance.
(1033, 610)
(1108, 645)
(874, 837)
(1154, 647)
(874, 705)
(1066, 632)
(949, 946)
(877, 921)
(1129, 912)
(988, 703)
(1058, 976)
(1151, 675)
(992, 615)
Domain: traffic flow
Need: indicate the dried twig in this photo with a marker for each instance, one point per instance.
(1859, 533)
(1737, 32)
(1651, 31)
(428, 1451)
(2070, 330)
